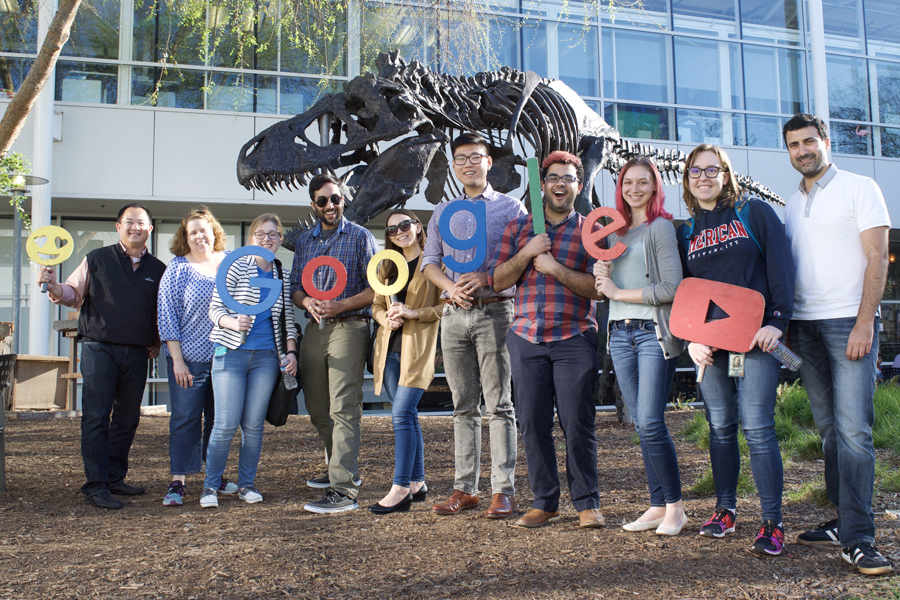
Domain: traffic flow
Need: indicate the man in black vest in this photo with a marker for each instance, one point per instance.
(116, 288)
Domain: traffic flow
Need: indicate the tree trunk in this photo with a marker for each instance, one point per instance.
(22, 103)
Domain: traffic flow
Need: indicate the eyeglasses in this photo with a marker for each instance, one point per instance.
(404, 226)
(711, 172)
(461, 159)
(139, 224)
(322, 201)
(261, 235)
(551, 179)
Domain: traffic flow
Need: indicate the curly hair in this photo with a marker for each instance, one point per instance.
(179, 245)
(731, 191)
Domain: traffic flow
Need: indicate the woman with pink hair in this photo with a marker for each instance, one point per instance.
(640, 285)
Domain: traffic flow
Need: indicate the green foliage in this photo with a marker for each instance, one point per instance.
(706, 486)
(886, 430)
(11, 166)
(793, 405)
(811, 491)
(806, 446)
(697, 430)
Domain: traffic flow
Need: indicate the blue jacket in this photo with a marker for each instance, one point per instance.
(744, 245)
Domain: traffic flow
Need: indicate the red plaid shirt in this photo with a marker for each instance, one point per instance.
(546, 310)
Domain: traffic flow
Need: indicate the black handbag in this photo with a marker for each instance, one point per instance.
(370, 355)
(280, 401)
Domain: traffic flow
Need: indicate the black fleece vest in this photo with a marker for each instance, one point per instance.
(120, 304)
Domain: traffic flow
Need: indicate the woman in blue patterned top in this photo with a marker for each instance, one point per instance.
(184, 325)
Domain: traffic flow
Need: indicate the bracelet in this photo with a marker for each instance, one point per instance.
(294, 352)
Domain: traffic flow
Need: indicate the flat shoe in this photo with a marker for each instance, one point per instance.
(379, 509)
(643, 525)
(662, 530)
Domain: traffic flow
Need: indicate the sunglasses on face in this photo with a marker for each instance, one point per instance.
(322, 201)
(404, 226)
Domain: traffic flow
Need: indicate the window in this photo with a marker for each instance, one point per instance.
(763, 132)
(770, 20)
(849, 138)
(646, 122)
(578, 67)
(167, 30)
(648, 13)
(848, 88)
(86, 82)
(18, 26)
(639, 65)
(708, 73)
(709, 17)
(95, 32)
(842, 29)
(170, 87)
(882, 27)
(888, 77)
(12, 73)
(707, 127)
(778, 80)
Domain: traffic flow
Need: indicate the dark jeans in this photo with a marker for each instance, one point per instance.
(114, 380)
(840, 396)
(750, 399)
(409, 445)
(645, 378)
(191, 423)
(568, 369)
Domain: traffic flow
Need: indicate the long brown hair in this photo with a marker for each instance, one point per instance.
(731, 191)
(179, 244)
(388, 268)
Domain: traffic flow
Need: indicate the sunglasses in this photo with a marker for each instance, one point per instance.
(322, 201)
(404, 226)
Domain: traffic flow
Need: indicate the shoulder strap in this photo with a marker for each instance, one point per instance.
(686, 238)
(743, 213)
(281, 320)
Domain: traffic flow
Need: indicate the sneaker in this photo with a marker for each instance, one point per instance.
(175, 495)
(867, 559)
(209, 499)
(227, 488)
(250, 495)
(719, 524)
(332, 502)
(324, 482)
(825, 534)
(769, 540)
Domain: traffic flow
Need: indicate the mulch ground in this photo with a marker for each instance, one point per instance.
(53, 545)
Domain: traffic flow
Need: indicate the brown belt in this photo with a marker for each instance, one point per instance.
(347, 318)
(481, 301)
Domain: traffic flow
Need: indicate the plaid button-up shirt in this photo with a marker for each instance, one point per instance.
(546, 310)
(351, 244)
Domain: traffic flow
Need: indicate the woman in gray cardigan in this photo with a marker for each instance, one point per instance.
(641, 285)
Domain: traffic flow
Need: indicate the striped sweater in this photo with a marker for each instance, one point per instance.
(238, 282)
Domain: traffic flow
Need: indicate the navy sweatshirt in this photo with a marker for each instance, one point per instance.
(721, 250)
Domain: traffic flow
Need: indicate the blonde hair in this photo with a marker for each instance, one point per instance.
(179, 244)
(731, 191)
(265, 217)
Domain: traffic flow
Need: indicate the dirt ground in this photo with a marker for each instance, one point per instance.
(53, 545)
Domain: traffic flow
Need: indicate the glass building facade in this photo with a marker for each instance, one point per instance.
(677, 72)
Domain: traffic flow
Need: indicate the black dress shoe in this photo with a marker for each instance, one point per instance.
(104, 500)
(421, 494)
(401, 506)
(120, 488)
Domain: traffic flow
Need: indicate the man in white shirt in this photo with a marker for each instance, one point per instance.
(838, 226)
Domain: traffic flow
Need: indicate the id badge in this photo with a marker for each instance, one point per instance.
(735, 364)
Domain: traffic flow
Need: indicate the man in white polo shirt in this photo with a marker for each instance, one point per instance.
(838, 226)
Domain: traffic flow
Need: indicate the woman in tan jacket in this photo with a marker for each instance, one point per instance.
(404, 357)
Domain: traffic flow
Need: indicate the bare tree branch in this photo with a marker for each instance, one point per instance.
(22, 103)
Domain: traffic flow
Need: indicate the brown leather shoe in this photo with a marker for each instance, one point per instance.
(502, 506)
(537, 518)
(591, 518)
(457, 502)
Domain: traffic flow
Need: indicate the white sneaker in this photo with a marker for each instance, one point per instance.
(209, 499)
(250, 495)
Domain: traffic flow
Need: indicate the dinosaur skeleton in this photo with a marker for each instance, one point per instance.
(419, 112)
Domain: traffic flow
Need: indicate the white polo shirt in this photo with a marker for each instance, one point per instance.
(824, 228)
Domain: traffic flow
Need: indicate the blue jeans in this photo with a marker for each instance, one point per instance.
(191, 422)
(409, 446)
(243, 381)
(563, 374)
(111, 395)
(840, 396)
(645, 377)
(752, 398)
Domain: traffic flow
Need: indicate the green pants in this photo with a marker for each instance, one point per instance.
(331, 370)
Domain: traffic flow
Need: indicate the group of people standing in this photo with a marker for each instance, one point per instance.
(523, 319)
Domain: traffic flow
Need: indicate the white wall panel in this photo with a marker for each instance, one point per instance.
(195, 154)
(887, 174)
(104, 152)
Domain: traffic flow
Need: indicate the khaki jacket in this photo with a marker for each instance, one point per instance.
(419, 335)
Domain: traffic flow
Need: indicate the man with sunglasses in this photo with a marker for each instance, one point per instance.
(473, 334)
(332, 357)
(553, 343)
